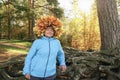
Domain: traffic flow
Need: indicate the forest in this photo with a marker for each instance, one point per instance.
(90, 36)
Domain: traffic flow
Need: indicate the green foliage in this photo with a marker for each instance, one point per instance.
(21, 8)
(2, 16)
(49, 7)
(53, 2)
(58, 12)
(0, 4)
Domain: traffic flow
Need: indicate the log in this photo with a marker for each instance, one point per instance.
(97, 65)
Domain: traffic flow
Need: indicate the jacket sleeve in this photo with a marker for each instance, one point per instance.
(31, 53)
(61, 55)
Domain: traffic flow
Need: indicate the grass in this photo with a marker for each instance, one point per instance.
(17, 42)
(13, 49)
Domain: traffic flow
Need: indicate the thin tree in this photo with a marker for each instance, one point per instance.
(30, 20)
(7, 6)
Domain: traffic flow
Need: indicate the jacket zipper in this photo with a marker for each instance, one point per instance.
(47, 59)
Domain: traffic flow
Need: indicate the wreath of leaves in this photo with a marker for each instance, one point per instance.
(46, 21)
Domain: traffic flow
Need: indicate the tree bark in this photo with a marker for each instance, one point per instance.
(0, 30)
(109, 24)
(9, 25)
(30, 20)
(8, 19)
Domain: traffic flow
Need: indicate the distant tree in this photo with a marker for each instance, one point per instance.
(8, 14)
(0, 30)
(109, 24)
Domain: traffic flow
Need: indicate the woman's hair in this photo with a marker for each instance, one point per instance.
(48, 21)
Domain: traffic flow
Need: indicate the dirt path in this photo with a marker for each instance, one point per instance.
(13, 45)
(5, 55)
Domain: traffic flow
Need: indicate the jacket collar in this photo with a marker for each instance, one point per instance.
(47, 38)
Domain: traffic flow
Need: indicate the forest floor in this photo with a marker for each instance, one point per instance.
(10, 49)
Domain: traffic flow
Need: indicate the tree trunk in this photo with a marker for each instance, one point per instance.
(30, 20)
(0, 30)
(33, 21)
(9, 28)
(8, 23)
(109, 24)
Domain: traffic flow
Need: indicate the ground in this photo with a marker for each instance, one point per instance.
(8, 50)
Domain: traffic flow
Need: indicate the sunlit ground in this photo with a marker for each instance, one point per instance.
(10, 48)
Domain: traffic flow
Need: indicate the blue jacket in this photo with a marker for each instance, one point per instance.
(41, 58)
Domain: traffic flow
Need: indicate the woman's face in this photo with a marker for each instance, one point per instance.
(49, 32)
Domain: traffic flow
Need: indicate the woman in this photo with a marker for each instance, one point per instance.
(40, 63)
